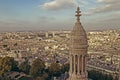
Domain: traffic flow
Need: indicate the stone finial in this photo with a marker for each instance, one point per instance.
(78, 13)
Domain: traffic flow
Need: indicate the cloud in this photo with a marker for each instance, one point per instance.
(106, 1)
(107, 6)
(115, 17)
(59, 4)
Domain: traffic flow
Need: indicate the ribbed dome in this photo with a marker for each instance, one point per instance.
(78, 37)
(78, 30)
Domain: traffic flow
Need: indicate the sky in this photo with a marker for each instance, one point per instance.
(25, 15)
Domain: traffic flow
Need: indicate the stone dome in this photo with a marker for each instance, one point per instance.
(78, 37)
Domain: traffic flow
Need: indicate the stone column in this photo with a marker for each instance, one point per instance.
(82, 65)
(71, 64)
(85, 63)
(74, 65)
(78, 64)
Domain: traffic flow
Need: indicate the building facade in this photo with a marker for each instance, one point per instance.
(78, 51)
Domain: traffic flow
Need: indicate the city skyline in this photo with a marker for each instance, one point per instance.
(58, 14)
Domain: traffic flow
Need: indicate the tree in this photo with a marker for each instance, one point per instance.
(40, 78)
(37, 68)
(45, 76)
(65, 68)
(5, 78)
(25, 67)
(55, 69)
(96, 75)
(7, 64)
(25, 78)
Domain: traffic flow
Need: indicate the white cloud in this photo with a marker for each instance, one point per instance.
(107, 1)
(59, 4)
(108, 6)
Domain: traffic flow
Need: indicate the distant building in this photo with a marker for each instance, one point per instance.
(78, 51)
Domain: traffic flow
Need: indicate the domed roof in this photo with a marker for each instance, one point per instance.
(78, 30)
(78, 35)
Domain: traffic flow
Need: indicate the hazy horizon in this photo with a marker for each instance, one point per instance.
(37, 15)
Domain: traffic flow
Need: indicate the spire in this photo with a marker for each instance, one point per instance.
(78, 14)
(78, 51)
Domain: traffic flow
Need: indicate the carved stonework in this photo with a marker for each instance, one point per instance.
(78, 51)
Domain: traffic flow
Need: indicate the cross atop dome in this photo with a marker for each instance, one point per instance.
(78, 13)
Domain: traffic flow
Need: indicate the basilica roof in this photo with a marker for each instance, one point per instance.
(78, 34)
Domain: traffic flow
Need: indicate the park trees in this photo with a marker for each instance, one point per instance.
(96, 75)
(55, 69)
(37, 68)
(25, 67)
(7, 64)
